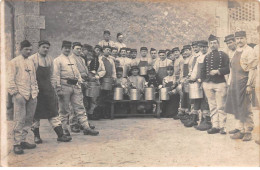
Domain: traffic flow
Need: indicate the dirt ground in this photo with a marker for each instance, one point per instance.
(139, 142)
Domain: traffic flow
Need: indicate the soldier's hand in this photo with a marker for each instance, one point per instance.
(60, 93)
(249, 90)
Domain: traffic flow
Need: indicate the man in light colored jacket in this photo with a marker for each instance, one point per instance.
(24, 90)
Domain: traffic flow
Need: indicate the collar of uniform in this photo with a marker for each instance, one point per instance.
(241, 49)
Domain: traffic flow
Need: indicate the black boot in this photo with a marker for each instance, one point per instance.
(192, 121)
(18, 149)
(75, 128)
(37, 138)
(61, 136)
(90, 132)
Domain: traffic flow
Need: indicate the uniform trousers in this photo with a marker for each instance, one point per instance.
(54, 122)
(23, 117)
(72, 94)
(216, 94)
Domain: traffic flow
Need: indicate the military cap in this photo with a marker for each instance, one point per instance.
(133, 50)
(186, 47)
(119, 69)
(66, 44)
(123, 48)
(229, 37)
(107, 32)
(76, 44)
(203, 43)
(128, 49)
(98, 46)
(212, 38)
(194, 43)
(118, 34)
(175, 49)
(106, 46)
(240, 34)
(161, 51)
(41, 42)
(152, 49)
(25, 43)
(143, 48)
(114, 48)
(134, 67)
(151, 71)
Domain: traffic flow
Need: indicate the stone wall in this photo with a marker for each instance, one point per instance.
(153, 24)
(27, 23)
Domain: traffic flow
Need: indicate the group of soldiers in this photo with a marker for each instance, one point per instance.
(43, 87)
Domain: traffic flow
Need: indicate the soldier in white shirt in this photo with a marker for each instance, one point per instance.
(106, 41)
(119, 44)
(23, 87)
(153, 54)
(67, 83)
(124, 61)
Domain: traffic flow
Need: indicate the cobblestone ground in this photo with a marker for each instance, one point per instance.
(139, 142)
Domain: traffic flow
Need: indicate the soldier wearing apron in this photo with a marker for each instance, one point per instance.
(161, 65)
(201, 104)
(242, 81)
(47, 105)
(124, 61)
(177, 62)
(185, 102)
(194, 114)
(170, 107)
(144, 63)
(106, 94)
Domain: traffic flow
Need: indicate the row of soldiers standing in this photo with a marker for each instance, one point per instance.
(45, 88)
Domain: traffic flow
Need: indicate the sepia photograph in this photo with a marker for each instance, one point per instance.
(130, 83)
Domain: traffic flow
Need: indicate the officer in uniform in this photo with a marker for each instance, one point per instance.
(216, 66)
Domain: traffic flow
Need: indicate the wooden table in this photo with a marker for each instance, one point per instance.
(113, 102)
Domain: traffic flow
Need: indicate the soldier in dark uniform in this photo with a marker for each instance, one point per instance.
(216, 65)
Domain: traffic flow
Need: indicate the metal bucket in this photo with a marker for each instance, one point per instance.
(196, 91)
(186, 87)
(125, 71)
(93, 90)
(143, 71)
(134, 94)
(149, 93)
(118, 93)
(107, 84)
(164, 93)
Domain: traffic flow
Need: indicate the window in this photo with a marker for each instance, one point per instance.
(246, 12)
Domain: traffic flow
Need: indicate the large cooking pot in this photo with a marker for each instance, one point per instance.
(143, 71)
(118, 93)
(125, 70)
(107, 84)
(164, 93)
(135, 94)
(149, 93)
(93, 90)
(195, 91)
